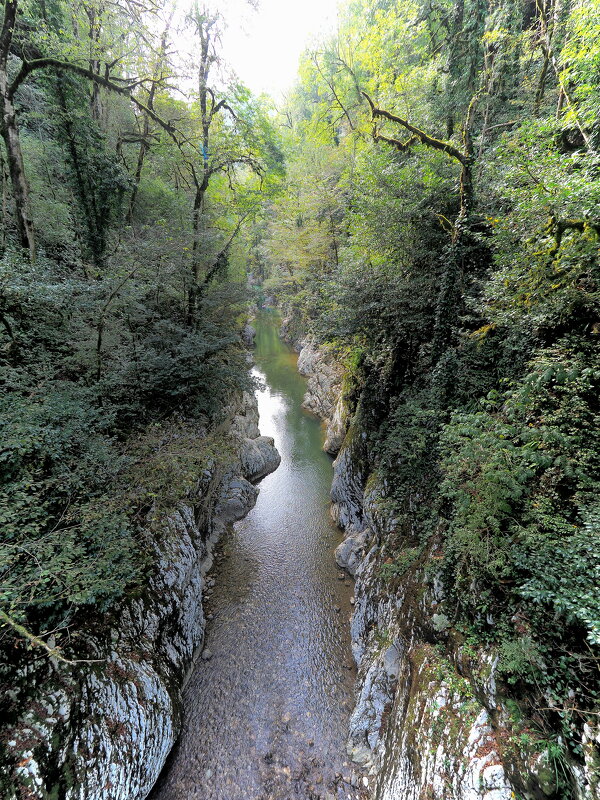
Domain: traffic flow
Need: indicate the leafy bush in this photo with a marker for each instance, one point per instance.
(65, 542)
(85, 367)
(521, 477)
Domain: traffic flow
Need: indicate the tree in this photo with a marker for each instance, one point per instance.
(146, 135)
(464, 156)
(9, 125)
(225, 144)
(10, 134)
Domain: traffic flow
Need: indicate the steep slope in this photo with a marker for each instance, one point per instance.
(101, 729)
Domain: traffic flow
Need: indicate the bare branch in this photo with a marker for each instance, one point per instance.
(36, 641)
(222, 104)
(211, 272)
(401, 146)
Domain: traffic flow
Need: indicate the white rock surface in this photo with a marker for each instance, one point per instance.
(324, 391)
(351, 551)
(102, 731)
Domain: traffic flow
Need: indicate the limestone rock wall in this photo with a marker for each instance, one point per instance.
(324, 393)
(102, 730)
(324, 378)
(429, 722)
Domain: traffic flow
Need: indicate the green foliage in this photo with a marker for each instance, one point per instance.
(477, 384)
(522, 478)
(408, 446)
(65, 542)
(102, 366)
(565, 572)
(167, 462)
(581, 62)
(519, 659)
(98, 182)
(73, 496)
(470, 331)
(521, 559)
(397, 567)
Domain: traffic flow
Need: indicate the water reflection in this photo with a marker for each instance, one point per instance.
(267, 716)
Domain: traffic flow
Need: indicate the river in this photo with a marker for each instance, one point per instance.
(266, 718)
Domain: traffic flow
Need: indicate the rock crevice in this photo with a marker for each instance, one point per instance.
(324, 392)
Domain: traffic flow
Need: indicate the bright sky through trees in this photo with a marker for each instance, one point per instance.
(264, 45)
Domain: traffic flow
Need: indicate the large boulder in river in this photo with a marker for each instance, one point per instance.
(259, 457)
(238, 496)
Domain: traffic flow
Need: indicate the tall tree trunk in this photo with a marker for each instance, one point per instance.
(10, 134)
(193, 293)
(14, 157)
(94, 222)
(546, 13)
(204, 26)
(95, 22)
(138, 170)
(144, 144)
(454, 59)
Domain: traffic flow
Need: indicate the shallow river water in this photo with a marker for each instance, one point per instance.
(266, 717)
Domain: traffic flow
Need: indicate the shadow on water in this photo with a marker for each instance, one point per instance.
(267, 716)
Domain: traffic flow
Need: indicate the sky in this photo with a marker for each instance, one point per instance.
(263, 46)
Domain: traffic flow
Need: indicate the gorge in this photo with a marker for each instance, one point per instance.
(384, 587)
(267, 715)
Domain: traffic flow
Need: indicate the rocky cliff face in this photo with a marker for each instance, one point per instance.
(102, 730)
(430, 720)
(419, 726)
(324, 393)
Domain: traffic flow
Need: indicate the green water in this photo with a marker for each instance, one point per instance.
(267, 716)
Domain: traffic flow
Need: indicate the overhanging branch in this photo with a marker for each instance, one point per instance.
(424, 138)
(399, 145)
(44, 63)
